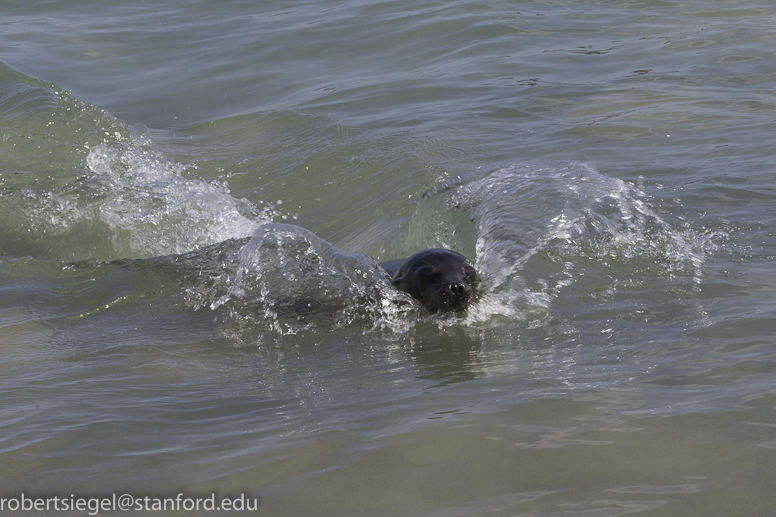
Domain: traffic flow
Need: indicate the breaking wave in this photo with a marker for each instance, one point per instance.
(134, 202)
(541, 230)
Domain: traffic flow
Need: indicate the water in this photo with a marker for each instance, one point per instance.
(195, 197)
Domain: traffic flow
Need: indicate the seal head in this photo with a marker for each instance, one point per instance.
(441, 280)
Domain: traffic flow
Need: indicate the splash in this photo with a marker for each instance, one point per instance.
(287, 279)
(542, 228)
(544, 233)
(153, 209)
(135, 202)
(80, 184)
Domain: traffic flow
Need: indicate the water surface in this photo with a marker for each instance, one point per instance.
(195, 197)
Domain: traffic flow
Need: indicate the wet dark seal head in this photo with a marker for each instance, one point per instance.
(441, 280)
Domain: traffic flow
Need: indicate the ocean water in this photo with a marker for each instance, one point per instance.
(195, 196)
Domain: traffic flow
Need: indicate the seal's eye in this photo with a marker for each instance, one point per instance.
(429, 272)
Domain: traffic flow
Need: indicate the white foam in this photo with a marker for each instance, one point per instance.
(154, 210)
(538, 223)
(134, 202)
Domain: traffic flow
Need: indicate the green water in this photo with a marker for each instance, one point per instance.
(180, 180)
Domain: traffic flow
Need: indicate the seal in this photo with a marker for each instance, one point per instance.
(440, 279)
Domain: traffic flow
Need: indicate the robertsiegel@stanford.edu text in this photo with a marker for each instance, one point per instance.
(127, 502)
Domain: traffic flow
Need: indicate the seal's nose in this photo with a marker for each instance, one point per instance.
(458, 290)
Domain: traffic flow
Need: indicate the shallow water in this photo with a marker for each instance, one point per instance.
(195, 197)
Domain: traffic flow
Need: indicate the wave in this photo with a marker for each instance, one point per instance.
(77, 183)
(130, 202)
(541, 228)
(543, 232)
